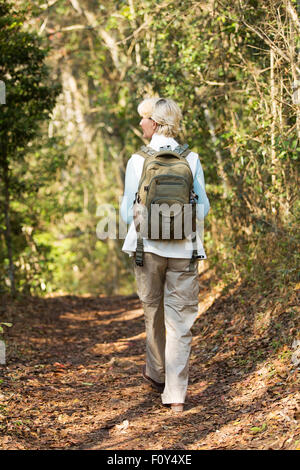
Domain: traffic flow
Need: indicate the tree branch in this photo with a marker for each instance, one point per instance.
(262, 35)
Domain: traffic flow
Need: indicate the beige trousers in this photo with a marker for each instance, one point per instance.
(168, 291)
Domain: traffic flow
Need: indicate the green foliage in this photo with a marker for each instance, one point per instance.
(4, 324)
(30, 98)
(206, 58)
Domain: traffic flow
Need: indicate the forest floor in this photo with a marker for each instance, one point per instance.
(73, 374)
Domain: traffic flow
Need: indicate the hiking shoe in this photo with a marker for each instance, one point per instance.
(177, 407)
(156, 385)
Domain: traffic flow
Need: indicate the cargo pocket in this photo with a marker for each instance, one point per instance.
(182, 285)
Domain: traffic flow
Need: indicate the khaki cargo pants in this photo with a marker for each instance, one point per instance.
(168, 291)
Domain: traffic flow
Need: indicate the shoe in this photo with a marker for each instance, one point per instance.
(156, 385)
(177, 407)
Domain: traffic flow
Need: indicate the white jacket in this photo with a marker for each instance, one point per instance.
(173, 248)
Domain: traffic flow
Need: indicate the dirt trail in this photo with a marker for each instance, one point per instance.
(73, 376)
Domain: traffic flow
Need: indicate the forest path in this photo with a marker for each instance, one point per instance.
(73, 377)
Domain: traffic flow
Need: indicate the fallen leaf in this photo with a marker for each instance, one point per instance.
(122, 427)
(256, 429)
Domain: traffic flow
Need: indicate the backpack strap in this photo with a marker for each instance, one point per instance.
(147, 152)
(144, 152)
(181, 150)
(195, 256)
(139, 254)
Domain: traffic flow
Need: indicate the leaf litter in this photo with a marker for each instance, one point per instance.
(73, 374)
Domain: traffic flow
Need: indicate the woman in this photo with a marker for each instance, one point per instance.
(167, 286)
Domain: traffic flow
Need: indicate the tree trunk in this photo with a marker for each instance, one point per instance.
(273, 111)
(275, 176)
(7, 231)
(211, 128)
(295, 62)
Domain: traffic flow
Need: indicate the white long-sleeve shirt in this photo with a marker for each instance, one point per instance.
(165, 248)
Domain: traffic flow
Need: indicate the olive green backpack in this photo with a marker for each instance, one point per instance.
(165, 203)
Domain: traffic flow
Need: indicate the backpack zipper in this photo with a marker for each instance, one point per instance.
(166, 182)
(168, 164)
(165, 164)
(165, 197)
(182, 178)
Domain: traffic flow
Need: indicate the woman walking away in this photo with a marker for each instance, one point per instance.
(169, 176)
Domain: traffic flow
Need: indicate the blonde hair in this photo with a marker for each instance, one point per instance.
(165, 112)
(168, 116)
(145, 108)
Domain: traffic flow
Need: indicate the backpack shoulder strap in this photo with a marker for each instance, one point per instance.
(146, 152)
(181, 150)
